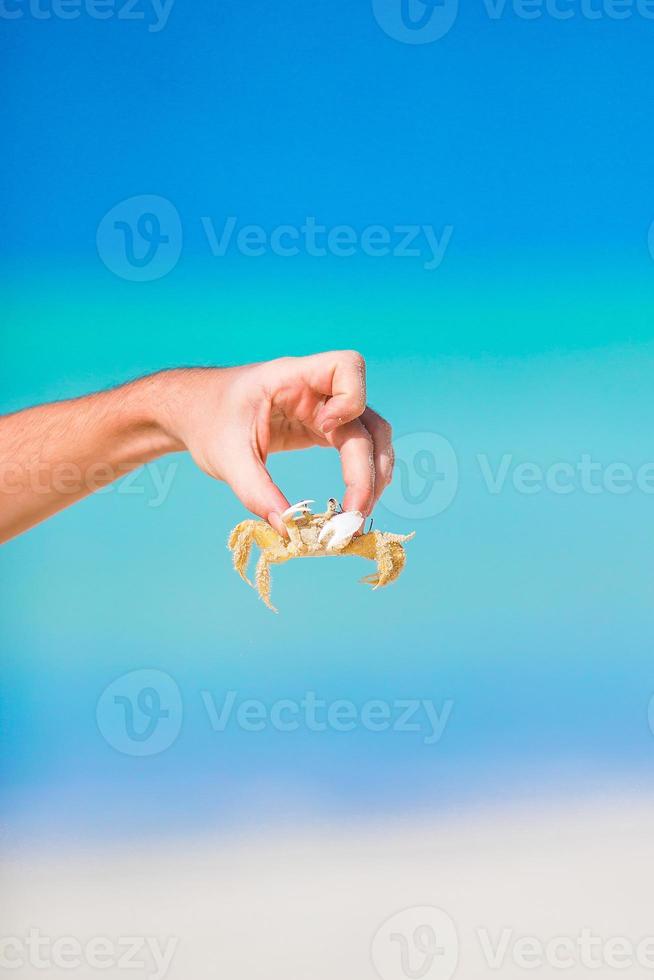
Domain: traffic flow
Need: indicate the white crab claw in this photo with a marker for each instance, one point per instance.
(340, 529)
(296, 509)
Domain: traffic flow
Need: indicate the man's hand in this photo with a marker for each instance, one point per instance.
(229, 419)
(232, 419)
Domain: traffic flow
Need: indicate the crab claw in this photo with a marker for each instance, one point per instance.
(340, 529)
(295, 509)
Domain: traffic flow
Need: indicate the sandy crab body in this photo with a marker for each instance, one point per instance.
(331, 533)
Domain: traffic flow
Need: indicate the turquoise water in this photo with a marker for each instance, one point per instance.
(528, 613)
(524, 617)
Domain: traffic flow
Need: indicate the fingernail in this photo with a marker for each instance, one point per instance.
(275, 520)
(329, 425)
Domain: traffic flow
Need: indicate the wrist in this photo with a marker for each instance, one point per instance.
(148, 417)
(177, 403)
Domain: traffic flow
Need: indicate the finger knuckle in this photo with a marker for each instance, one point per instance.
(357, 358)
(386, 470)
(354, 406)
(250, 500)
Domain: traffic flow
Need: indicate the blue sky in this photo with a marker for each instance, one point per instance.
(523, 134)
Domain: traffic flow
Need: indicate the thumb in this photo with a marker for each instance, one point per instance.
(254, 487)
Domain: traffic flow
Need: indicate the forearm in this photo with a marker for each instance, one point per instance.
(54, 455)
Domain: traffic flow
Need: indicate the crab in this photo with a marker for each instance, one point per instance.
(333, 533)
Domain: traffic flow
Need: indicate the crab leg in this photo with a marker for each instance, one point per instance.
(243, 537)
(386, 549)
(291, 518)
(391, 558)
(262, 578)
(328, 534)
(240, 543)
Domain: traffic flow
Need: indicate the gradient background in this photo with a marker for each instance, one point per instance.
(532, 613)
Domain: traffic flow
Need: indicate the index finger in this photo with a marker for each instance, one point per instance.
(383, 454)
(344, 383)
(354, 443)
